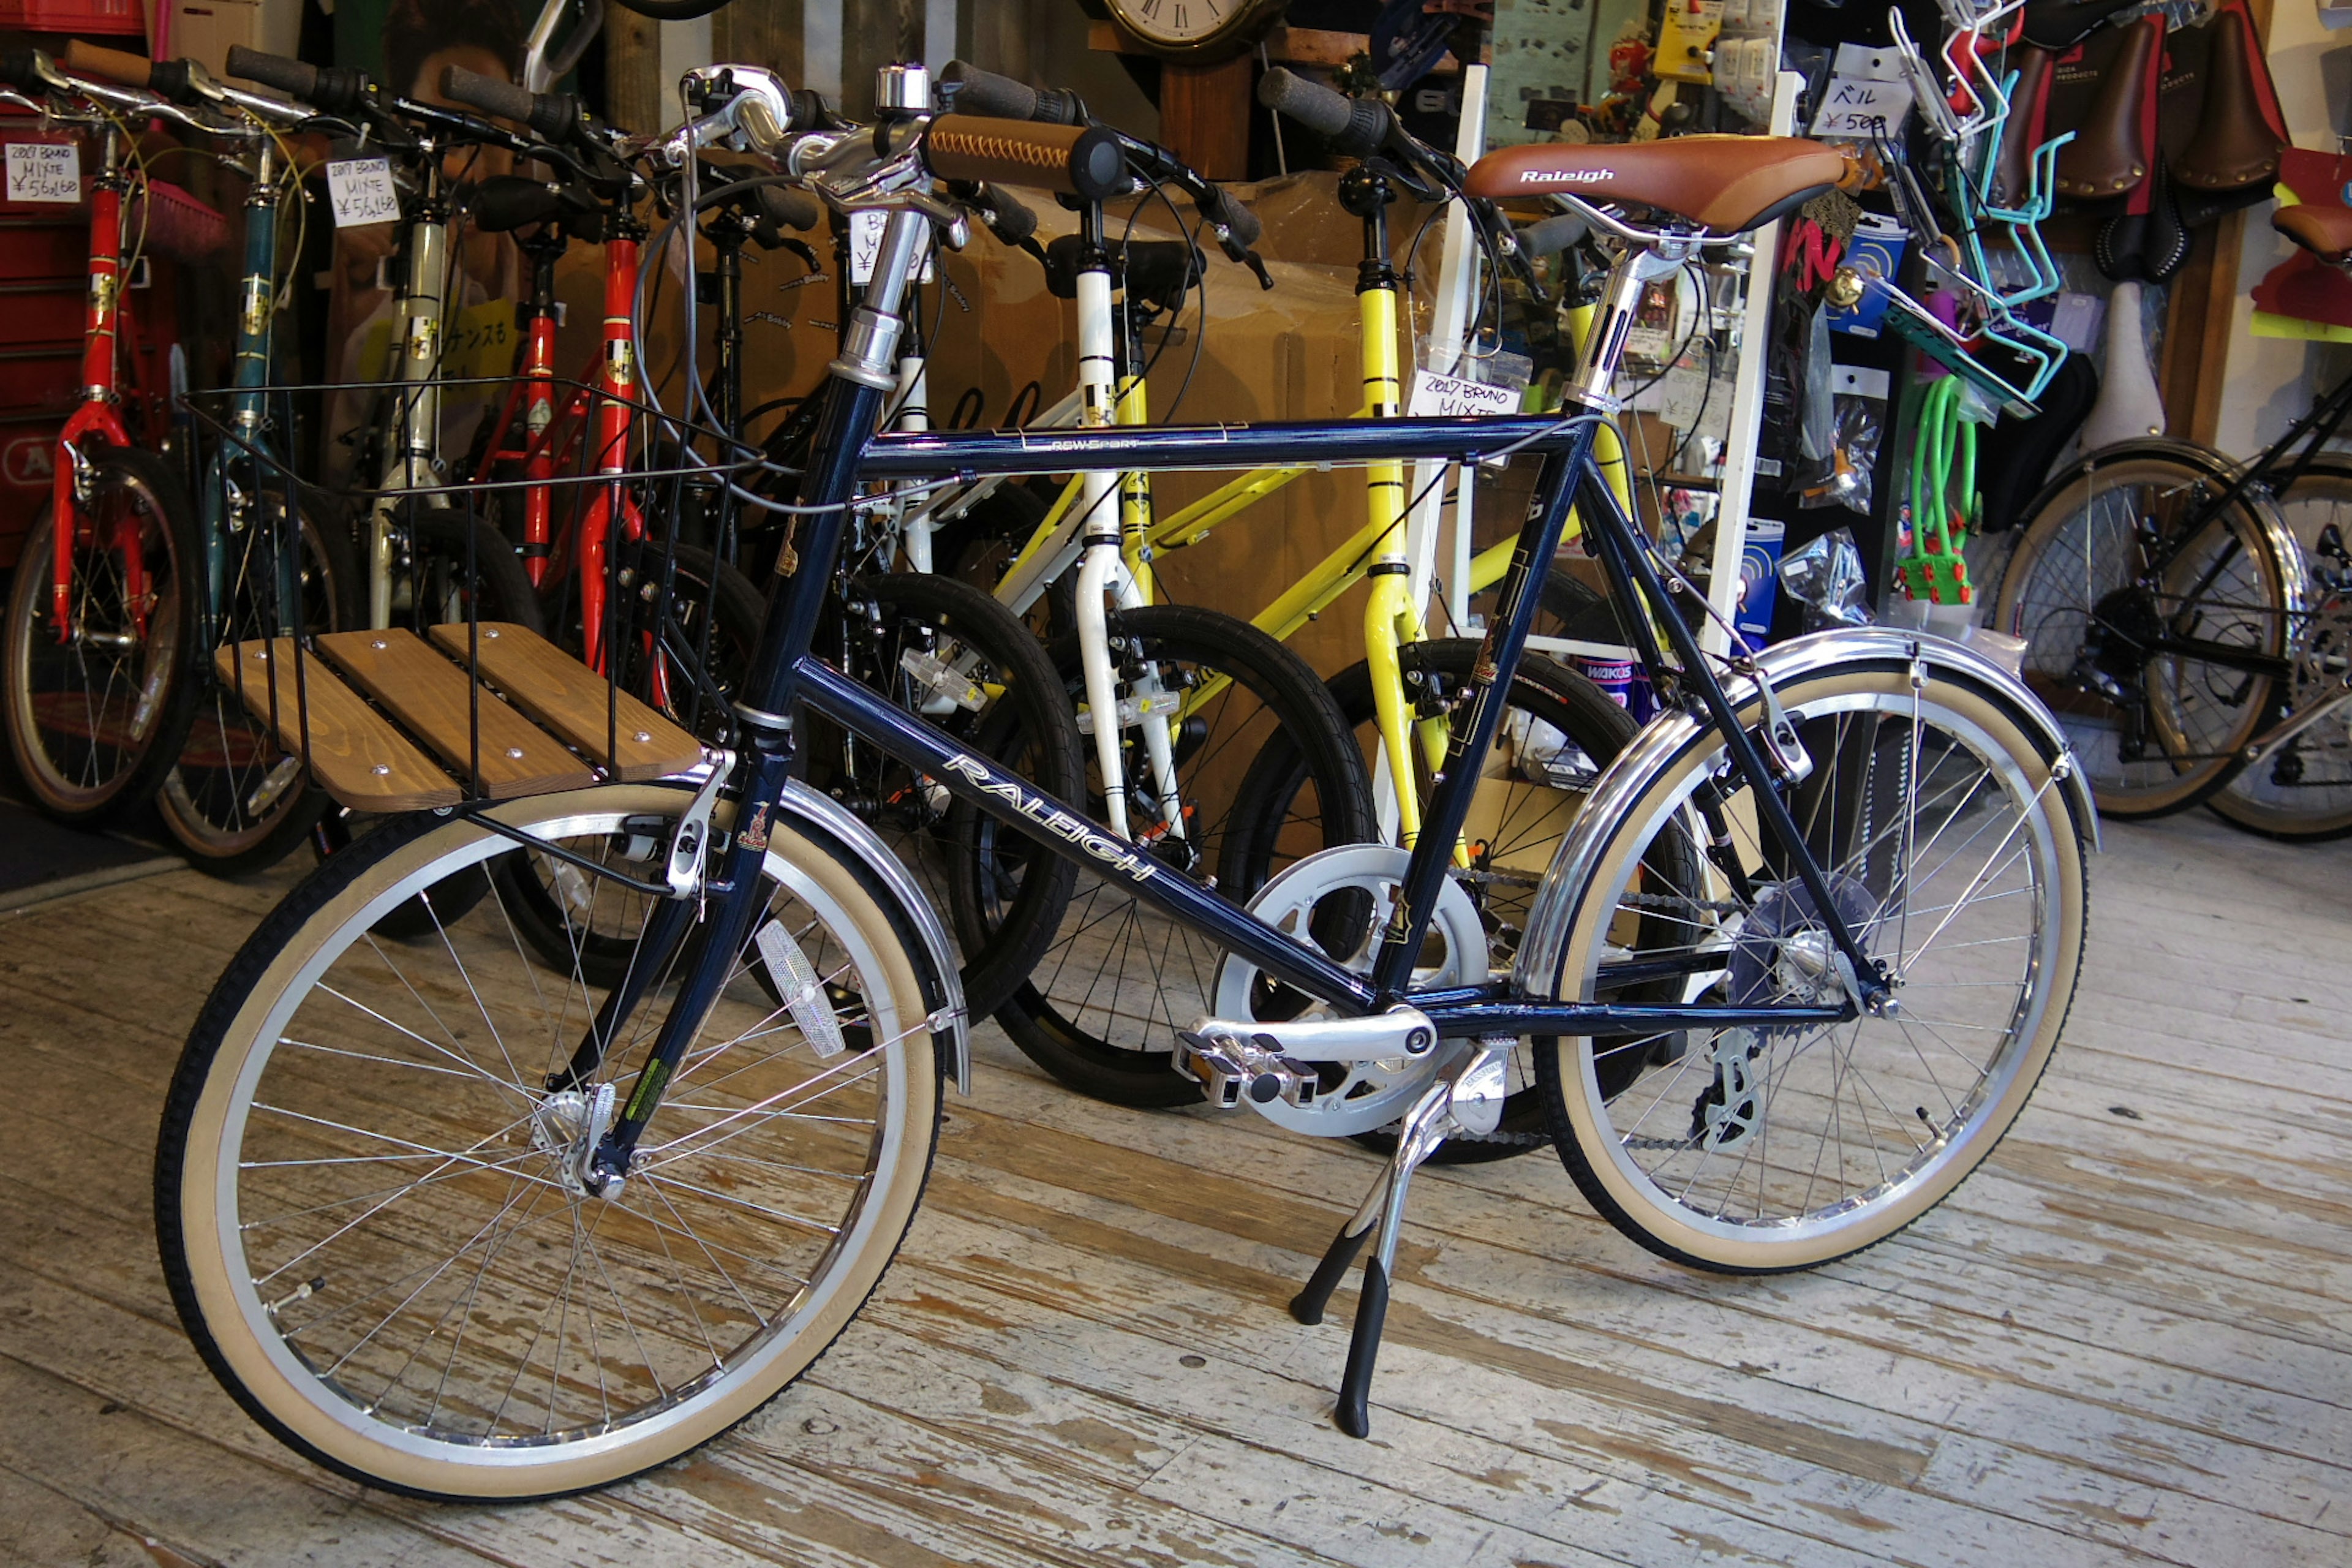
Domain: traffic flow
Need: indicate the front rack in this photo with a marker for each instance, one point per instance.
(441, 705)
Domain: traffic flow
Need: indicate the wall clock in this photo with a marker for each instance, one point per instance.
(1193, 30)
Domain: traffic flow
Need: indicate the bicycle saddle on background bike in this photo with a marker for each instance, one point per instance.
(1727, 183)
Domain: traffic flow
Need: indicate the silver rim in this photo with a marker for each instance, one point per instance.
(406, 1254)
(2307, 786)
(2197, 713)
(1821, 1138)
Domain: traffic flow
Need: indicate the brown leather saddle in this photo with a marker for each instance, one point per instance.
(1726, 184)
(2323, 230)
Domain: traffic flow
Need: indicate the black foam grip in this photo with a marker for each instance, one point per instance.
(1552, 236)
(1314, 106)
(1356, 125)
(788, 207)
(508, 202)
(20, 68)
(1008, 217)
(299, 78)
(487, 93)
(1220, 205)
(979, 91)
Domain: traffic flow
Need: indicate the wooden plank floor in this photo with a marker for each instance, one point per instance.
(2128, 1338)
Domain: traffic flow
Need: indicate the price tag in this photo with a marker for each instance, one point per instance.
(361, 191)
(865, 244)
(1851, 106)
(1435, 395)
(44, 172)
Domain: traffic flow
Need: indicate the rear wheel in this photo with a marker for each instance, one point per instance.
(2302, 790)
(1952, 854)
(2147, 631)
(94, 720)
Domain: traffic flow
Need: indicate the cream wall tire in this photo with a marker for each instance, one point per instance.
(268, 1339)
(1716, 1157)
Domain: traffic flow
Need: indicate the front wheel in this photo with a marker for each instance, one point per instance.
(94, 719)
(366, 1202)
(235, 801)
(1950, 852)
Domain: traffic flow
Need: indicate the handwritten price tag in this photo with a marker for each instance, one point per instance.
(44, 172)
(865, 244)
(361, 191)
(1851, 106)
(1436, 396)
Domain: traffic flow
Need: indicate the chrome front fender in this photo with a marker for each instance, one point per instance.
(1536, 968)
(837, 821)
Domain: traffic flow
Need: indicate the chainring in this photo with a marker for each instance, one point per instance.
(1356, 1097)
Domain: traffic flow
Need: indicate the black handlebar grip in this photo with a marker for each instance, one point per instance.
(1008, 217)
(21, 69)
(488, 93)
(985, 92)
(1085, 162)
(548, 114)
(1552, 236)
(788, 207)
(1219, 206)
(1356, 126)
(978, 91)
(508, 202)
(297, 77)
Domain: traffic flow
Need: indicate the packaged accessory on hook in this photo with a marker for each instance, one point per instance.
(1826, 576)
(1860, 397)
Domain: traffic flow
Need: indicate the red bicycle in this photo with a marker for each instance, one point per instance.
(97, 647)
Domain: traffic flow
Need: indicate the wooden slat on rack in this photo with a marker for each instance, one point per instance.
(570, 699)
(355, 754)
(433, 697)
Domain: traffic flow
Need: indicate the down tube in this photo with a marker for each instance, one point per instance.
(1069, 834)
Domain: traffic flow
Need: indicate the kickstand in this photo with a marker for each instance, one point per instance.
(1476, 1080)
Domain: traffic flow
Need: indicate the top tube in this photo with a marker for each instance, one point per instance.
(1303, 443)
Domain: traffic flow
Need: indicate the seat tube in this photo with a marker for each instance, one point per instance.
(615, 415)
(408, 464)
(1390, 619)
(1098, 511)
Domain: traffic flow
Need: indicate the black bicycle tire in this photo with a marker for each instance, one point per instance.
(306, 805)
(1303, 707)
(2220, 802)
(994, 962)
(136, 785)
(2045, 514)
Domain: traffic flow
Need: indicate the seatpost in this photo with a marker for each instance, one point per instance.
(1612, 322)
(417, 345)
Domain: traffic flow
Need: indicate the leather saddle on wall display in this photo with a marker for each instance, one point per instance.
(2104, 91)
(2234, 142)
(2303, 287)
